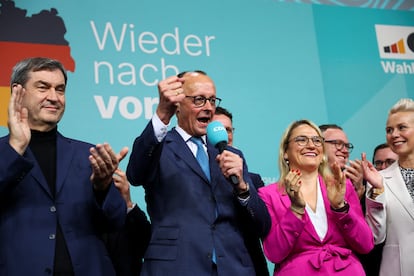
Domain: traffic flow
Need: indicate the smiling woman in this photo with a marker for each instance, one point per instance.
(390, 193)
(309, 207)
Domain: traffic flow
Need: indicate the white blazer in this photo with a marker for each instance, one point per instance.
(391, 218)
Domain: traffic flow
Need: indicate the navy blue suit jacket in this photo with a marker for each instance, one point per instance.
(127, 247)
(252, 239)
(29, 213)
(191, 216)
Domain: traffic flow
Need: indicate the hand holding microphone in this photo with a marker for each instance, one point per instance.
(231, 164)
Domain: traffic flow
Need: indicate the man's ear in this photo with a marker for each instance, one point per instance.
(13, 85)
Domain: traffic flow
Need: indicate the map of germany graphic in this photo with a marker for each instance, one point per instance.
(23, 36)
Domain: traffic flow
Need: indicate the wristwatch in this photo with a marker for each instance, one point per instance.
(376, 192)
(244, 194)
(343, 209)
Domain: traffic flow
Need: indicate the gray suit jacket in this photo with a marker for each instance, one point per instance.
(391, 217)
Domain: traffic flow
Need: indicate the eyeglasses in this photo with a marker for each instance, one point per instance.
(230, 129)
(200, 101)
(339, 144)
(304, 140)
(379, 163)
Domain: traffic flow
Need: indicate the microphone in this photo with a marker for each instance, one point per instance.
(217, 135)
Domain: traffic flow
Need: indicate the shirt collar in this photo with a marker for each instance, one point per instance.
(187, 136)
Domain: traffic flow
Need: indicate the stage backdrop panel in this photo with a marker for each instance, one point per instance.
(273, 62)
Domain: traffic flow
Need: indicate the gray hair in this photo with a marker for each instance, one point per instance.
(21, 70)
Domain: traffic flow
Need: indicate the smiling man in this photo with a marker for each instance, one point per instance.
(338, 149)
(195, 211)
(57, 193)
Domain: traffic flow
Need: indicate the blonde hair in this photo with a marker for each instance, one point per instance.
(404, 104)
(284, 143)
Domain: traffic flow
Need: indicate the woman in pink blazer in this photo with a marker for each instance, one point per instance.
(317, 221)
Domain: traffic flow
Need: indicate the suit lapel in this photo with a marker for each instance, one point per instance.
(310, 228)
(179, 147)
(64, 156)
(37, 174)
(394, 182)
(328, 210)
(308, 223)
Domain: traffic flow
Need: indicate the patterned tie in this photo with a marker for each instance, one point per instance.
(201, 156)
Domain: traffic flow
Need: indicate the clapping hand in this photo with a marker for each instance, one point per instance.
(292, 184)
(355, 173)
(104, 162)
(336, 187)
(370, 173)
(18, 124)
(123, 186)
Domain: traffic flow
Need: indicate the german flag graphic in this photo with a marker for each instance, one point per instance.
(23, 36)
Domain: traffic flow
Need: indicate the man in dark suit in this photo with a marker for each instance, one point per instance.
(251, 239)
(127, 246)
(56, 194)
(195, 213)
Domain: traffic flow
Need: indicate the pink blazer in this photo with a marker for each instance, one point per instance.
(296, 249)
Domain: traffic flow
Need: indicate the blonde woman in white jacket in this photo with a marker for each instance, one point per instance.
(390, 194)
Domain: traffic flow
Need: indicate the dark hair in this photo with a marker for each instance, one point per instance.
(222, 111)
(21, 70)
(377, 148)
(323, 128)
(181, 74)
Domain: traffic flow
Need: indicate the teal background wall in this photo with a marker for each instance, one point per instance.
(273, 62)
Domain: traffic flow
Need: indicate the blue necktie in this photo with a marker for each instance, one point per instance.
(202, 159)
(201, 156)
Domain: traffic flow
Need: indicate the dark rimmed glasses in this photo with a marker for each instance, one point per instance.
(379, 163)
(200, 101)
(339, 144)
(303, 140)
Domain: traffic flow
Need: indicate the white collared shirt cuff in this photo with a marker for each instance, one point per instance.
(243, 201)
(130, 209)
(160, 129)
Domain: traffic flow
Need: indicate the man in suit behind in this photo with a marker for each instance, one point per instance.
(127, 247)
(56, 194)
(195, 214)
(251, 239)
